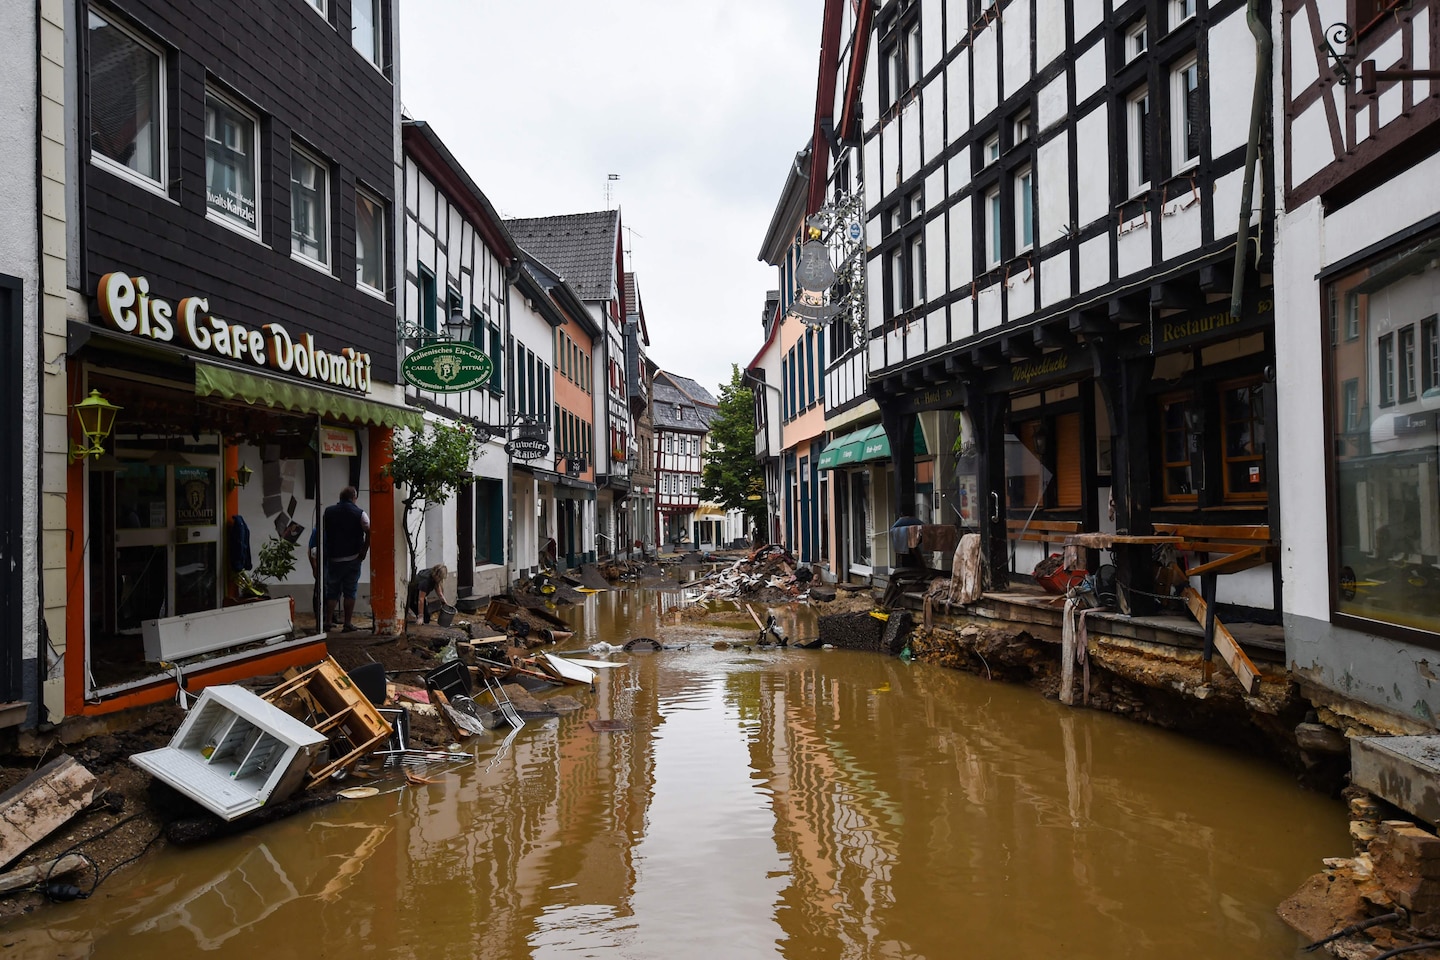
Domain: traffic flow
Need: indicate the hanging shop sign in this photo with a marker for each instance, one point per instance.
(527, 448)
(447, 366)
(338, 442)
(127, 306)
(1052, 368)
(1196, 327)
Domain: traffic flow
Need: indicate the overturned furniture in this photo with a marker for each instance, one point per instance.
(336, 708)
(234, 753)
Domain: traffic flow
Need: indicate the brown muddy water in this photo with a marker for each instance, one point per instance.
(760, 803)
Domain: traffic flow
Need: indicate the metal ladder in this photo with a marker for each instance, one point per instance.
(502, 701)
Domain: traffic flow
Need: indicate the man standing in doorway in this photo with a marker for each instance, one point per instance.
(347, 541)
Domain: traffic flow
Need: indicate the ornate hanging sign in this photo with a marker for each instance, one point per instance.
(447, 366)
(527, 448)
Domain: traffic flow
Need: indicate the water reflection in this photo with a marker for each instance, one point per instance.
(762, 803)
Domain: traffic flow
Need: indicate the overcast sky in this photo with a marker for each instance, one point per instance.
(699, 106)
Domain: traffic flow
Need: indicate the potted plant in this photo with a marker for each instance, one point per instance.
(277, 561)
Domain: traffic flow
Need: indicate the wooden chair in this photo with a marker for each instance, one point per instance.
(337, 709)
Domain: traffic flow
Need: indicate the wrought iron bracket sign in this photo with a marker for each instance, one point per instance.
(527, 448)
(1336, 45)
(447, 366)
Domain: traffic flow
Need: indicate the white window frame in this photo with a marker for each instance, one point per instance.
(917, 273)
(376, 54)
(912, 55)
(1182, 10)
(1137, 40)
(319, 6)
(231, 223)
(318, 263)
(374, 198)
(1134, 139)
(163, 160)
(1021, 130)
(1024, 220)
(1178, 101)
(991, 150)
(994, 233)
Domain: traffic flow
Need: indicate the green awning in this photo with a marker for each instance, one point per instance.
(877, 445)
(213, 380)
(846, 449)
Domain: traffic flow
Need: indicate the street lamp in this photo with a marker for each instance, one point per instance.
(458, 325)
(96, 416)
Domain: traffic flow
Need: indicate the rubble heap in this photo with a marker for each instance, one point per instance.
(769, 575)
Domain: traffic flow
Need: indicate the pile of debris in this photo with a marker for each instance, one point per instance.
(769, 575)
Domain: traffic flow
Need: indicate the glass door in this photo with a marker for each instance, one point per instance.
(167, 539)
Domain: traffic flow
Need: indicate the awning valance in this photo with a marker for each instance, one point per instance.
(877, 447)
(845, 450)
(262, 389)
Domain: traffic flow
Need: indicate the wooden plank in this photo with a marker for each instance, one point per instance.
(1242, 559)
(40, 872)
(1225, 642)
(1200, 531)
(41, 803)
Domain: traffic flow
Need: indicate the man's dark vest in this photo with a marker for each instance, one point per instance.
(344, 529)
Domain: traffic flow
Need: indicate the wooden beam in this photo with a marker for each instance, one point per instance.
(1226, 643)
(1053, 336)
(1089, 323)
(986, 355)
(1019, 347)
(1218, 277)
(41, 872)
(1128, 310)
(1177, 294)
(41, 803)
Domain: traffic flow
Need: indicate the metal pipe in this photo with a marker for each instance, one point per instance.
(1263, 47)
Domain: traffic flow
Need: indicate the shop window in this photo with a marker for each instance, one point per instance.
(1243, 440)
(127, 103)
(1178, 444)
(365, 29)
(369, 241)
(1185, 124)
(232, 164)
(1385, 474)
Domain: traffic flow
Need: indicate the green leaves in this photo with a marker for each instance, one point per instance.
(732, 474)
(433, 463)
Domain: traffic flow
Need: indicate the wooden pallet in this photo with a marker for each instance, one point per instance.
(337, 709)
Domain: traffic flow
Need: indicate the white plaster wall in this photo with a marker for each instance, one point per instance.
(957, 86)
(932, 41)
(962, 261)
(1052, 184)
(986, 75)
(20, 258)
(1092, 157)
(1049, 32)
(1232, 82)
(1016, 31)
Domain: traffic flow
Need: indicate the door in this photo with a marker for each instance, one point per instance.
(12, 569)
(167, 537)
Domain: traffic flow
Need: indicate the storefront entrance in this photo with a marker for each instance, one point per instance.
(166, 533)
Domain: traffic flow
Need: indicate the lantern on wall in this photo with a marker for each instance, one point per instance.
(96, 417)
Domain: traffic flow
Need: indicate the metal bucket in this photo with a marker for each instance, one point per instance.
(447, 613)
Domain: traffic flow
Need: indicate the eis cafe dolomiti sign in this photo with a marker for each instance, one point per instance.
(126, 306)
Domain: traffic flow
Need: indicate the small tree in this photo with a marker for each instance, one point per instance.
(430, 464)
(732, 473)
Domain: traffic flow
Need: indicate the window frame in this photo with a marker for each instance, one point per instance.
(1406, 379)
(161, 185)
(1023, 196)
(1187, 399)
(325, 262)
(427, 300)
(1385, 369)
(1230, 495)
(1429, 353)
(1137, 134)
(993, 225)
(1137, 31)
(1179, 102)
(383, 210)
(377, 26)
(1182, 11)
(256, 232)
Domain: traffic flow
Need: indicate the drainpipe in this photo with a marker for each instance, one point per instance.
(1263, 46)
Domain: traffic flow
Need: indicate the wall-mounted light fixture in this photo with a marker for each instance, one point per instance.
(96, 416)
(241, 478)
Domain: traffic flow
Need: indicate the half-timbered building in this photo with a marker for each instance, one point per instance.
(1358, 354)
(457, 282)
(1057, 196)
(585, 249)
(682, 410)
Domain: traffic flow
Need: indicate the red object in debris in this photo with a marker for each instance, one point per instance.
(1058, 580)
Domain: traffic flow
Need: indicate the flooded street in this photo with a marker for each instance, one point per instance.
(754, 803)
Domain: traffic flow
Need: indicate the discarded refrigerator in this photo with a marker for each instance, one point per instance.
(234, 753)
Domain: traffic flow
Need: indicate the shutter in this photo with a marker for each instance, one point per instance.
(1068, 475)
(1030, 480)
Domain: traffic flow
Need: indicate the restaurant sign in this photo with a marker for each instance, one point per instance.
(127, 306)
(338, 442)
(447, 366)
